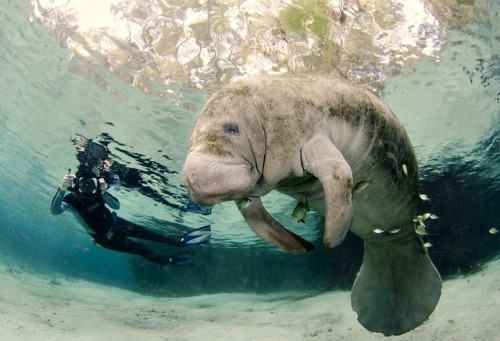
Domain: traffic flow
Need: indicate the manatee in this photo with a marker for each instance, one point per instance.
(330, 142)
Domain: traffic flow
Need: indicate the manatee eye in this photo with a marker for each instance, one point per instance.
(231, 129)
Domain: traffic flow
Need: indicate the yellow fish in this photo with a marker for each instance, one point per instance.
(300, 211)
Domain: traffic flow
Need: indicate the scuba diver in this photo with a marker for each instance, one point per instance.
(87, 200)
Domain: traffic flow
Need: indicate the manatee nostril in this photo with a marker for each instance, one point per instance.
(193, 178)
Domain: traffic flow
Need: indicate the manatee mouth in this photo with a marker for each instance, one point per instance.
(210, 181)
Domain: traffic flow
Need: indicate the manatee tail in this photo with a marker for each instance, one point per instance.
(397, 287)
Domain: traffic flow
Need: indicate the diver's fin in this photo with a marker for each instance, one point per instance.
(198, 236)
(201, 209)
(397, 287)
(183, 259)
(266, 227)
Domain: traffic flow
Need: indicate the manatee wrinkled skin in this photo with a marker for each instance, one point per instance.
(337, 145)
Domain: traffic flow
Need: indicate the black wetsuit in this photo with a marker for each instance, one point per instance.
(109, 230)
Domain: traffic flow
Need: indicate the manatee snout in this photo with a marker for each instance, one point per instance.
(200, 189)
(192, 182)
(210, 181)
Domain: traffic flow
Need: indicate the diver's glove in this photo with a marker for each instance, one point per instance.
(103, 186)
(67, 182)
(198, 236)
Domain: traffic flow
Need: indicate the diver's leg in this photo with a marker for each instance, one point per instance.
(125, 228)
(122, 244)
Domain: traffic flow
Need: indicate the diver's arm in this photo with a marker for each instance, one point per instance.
(111, 201)
(58, 205)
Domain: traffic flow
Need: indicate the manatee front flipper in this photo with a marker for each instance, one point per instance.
(322, 159)
(268, 228)
(397, 287)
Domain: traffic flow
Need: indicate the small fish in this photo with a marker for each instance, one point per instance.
(301, 210)
(394, 231)
(425, 216)
(419, 220)
(360, 186)
(424, 197)
(405, 169)
(378, 230)
(433, 217)
(420, 230)
(427, 245)
(493, 230)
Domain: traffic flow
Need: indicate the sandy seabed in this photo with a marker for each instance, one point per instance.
(37, 307)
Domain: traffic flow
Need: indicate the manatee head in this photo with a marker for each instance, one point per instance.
(226, 151)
